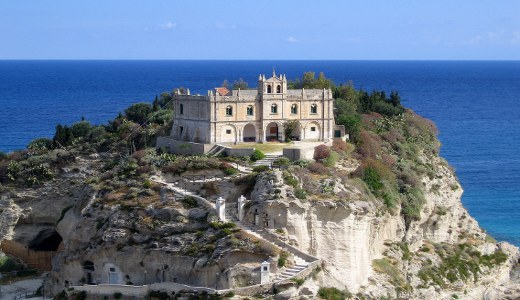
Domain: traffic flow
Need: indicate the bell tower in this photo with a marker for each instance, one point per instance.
(275, 86)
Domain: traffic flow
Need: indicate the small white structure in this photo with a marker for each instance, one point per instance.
(241, 204)
(221, 209)
(264, 272)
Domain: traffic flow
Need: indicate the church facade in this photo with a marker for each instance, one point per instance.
(254, 115)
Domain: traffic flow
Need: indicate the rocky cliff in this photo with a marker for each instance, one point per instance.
(370, 250)
(385, 219)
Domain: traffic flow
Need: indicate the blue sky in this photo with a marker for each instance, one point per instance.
(233, 29)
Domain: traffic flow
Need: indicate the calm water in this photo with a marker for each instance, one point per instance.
(475, 105)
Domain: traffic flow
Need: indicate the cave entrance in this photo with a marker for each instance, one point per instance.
(88, 268)
(46, 240)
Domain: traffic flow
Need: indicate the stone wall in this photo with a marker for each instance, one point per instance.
(135, 291)
(40, 260)
(181, 147)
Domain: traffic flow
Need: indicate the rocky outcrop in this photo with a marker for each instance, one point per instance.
(10, 213)
(351, 232)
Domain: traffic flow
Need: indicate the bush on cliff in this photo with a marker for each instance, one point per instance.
(257, 155)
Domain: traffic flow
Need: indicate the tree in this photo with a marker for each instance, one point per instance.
(62, 136)
(139, 112)
(352, 123)
(80, 129)
(395, 99)
(240, 84)
(288, 128)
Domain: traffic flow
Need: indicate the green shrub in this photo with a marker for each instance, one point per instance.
(300, 193)
(333, 293)
(8, 264)
(289, 179)
(260, 169)
(372, 179)
(230, 171)
(331, 160)
(282, 260)
(257, 155)
(222, 225)
(385, 266)
(299, 281)
(40, 144)
(281, 161)
(189, 202)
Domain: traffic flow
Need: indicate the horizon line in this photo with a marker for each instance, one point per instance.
(238, 60)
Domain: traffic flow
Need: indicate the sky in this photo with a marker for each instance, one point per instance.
(261, 29)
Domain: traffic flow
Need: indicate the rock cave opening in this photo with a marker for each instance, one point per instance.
(46, 240)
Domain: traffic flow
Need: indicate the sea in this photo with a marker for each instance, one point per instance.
(475, 104)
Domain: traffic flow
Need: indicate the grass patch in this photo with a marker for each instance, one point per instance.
(268, 147)
(385, 266)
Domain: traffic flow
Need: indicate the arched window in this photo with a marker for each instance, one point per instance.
(278, 89)
(229, 111)
(269, 89)
(294, 109)
(314, 109)
(181, 109)
(274, 109)
(250, 110)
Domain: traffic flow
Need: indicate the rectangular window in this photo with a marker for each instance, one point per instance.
(112, 269)
(229, 111)
(181, 129)
(337, 133)
(228, 131)
(313, 128)
(249, 110)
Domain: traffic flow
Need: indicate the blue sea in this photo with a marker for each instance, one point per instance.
(475, 104)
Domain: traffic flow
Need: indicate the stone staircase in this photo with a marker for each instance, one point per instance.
(231, 213)
(216, 150)
(300, 265)
(266, 161)
(287, 273)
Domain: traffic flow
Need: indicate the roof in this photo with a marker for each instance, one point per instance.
(222, 91)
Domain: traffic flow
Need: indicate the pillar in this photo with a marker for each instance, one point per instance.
(241, 204)
(221, 209)
(264, 272)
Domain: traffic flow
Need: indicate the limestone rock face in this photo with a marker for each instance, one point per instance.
(350, 234)
(9, 215)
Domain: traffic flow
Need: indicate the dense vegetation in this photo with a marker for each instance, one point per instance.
(388, 139)
(135, 129)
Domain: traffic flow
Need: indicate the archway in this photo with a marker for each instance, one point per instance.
(296, 134)
(88, 268)
(312, 131)
(272, 132)
(228, 134)
(249, 133)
